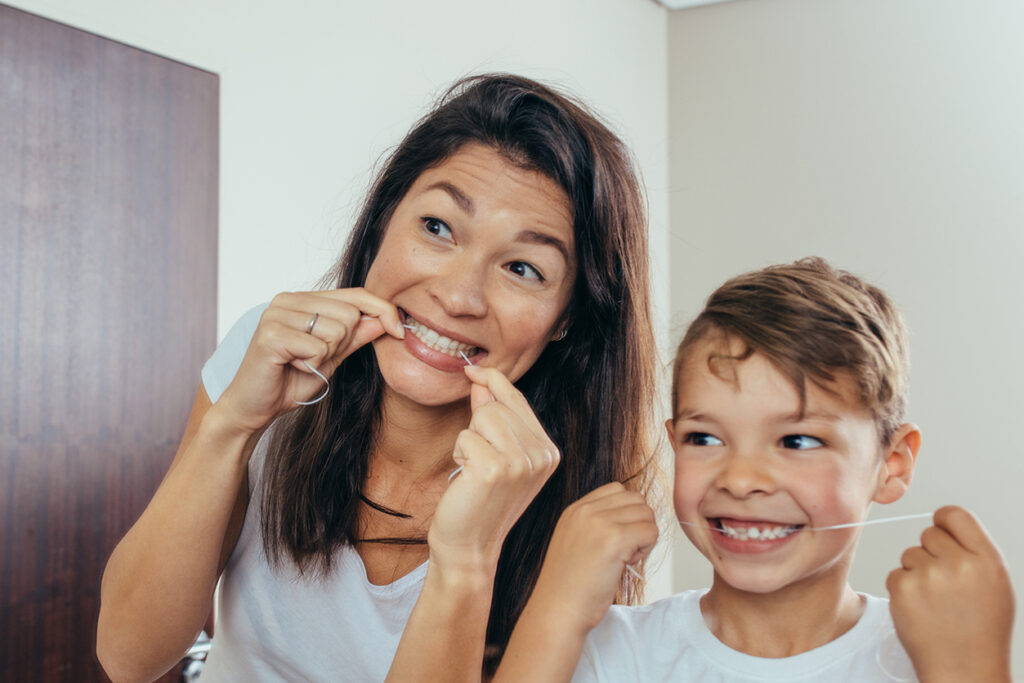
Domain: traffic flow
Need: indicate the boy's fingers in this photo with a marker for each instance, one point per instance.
(965, 529)
(938, 542)
(915, 557)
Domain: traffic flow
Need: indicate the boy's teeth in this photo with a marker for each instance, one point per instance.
(755, 533)
(438, 342)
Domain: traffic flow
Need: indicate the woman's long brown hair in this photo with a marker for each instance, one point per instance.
(592, 391)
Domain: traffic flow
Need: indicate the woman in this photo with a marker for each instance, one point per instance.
(503, 242)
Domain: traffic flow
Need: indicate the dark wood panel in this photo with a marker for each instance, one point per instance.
(108, 252)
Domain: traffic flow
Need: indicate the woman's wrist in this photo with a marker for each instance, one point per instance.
(221, 434)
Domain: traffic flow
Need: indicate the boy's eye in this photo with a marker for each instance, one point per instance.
(702, 439)
(525, 270)
(800, 442)
(437, 227)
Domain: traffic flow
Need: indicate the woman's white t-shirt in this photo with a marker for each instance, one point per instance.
(272, 624)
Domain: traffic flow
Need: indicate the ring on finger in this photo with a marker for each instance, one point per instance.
(312, 323)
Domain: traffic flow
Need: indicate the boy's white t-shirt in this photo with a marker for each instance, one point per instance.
(669, 641)
(274, 624)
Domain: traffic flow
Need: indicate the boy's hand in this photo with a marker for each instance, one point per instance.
(952, 603)
(595, 539)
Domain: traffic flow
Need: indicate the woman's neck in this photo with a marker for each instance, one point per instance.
(415, 442)
(783, 623)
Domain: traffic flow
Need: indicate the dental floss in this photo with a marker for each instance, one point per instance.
(634, 572)
(327, 386)
(920, 515)
(465, 357)
(883, 520)
(459, 468)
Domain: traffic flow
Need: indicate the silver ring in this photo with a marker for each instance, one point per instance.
(563, 333)
(312, 323)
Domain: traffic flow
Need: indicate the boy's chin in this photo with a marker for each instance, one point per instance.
(756, 585)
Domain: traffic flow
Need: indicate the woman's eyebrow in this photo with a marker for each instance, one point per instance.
(534, 237)
(464, 202)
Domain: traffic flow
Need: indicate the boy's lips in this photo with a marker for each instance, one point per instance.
(747, 530)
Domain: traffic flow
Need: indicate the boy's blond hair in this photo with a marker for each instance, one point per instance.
(814, 322)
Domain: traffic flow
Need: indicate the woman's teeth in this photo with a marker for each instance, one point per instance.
(755, 533)
(439, 342)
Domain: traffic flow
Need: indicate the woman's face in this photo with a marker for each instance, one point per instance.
(479, 259)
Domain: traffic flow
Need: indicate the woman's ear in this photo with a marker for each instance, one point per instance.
(900, 455)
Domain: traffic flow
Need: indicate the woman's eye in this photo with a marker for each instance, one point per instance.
(525, 271)
(702, 439)
(437, 227)
(800, 442)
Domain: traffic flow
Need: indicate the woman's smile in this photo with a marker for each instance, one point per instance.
(440, 348)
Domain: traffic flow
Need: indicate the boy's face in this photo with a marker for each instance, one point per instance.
(755, 476)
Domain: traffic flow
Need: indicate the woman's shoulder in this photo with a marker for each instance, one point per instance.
(220, 369)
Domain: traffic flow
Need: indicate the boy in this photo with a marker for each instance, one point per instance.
(788, 399)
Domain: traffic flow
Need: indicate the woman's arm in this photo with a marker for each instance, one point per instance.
(158, 584)
(157, 589)
(597, 537)
(506, 458)
(952, 603)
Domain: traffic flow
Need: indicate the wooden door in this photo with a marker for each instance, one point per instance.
(108, 257)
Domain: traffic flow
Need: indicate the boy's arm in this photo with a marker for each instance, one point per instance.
(952, 603)
(596, 537)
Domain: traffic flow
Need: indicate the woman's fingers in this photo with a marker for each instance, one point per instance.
(338, 304)
(502, 415)
(503, 391)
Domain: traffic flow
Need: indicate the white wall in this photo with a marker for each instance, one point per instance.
(314, 92)
(887, 137)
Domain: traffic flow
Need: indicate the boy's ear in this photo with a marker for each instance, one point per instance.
(898, 467)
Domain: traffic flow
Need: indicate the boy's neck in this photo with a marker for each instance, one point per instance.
(783, 623)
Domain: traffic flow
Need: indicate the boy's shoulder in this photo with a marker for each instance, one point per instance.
(667, 620)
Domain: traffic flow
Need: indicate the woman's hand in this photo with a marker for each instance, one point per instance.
(273, 377)
(952, 603)
(506, 457)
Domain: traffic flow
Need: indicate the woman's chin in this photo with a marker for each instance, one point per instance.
(412, 379)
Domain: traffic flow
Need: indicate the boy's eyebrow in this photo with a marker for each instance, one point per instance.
(691, 414)
(803, 415)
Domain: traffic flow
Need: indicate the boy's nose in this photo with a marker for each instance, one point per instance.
(743, 475)
(460, 288)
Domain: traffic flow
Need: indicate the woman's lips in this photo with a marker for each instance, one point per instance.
(439, 350)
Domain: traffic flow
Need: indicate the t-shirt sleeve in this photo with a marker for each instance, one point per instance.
(220, 369)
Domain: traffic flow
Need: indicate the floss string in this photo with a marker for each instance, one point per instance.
(883, 520)
(327, 386)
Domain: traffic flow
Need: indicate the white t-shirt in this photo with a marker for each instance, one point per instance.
(669, 641)
(275, 625)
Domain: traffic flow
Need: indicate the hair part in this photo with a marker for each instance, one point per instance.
(814, 323)
(319, 455)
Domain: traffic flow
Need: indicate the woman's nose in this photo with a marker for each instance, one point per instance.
(745, 474)
(460, 287)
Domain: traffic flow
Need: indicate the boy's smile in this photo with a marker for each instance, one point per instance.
(755, 474)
